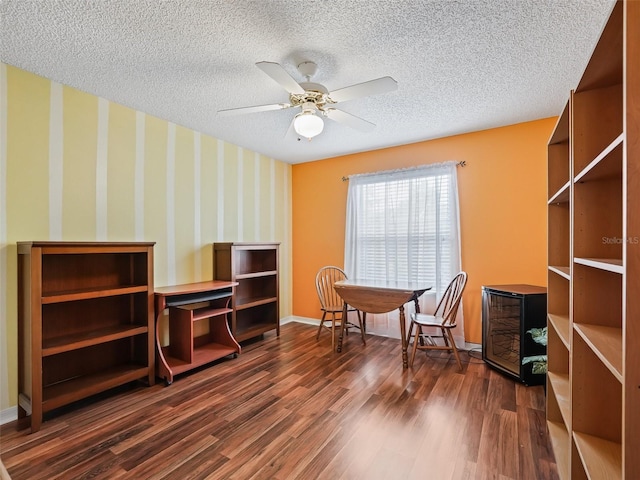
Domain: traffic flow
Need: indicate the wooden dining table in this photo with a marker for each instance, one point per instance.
(374, 296)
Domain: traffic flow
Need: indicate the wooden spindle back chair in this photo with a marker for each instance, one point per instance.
(331, 303)
(443, 319)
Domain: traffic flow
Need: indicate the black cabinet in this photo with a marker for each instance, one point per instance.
(513, 317)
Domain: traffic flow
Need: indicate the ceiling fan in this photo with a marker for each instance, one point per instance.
(315, 101)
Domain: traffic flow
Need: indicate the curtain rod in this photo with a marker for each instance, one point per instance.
(462, 163)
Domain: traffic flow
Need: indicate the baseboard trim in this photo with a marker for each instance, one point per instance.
(295, 318)
(315, 322)
(473, 346)
(8, 415)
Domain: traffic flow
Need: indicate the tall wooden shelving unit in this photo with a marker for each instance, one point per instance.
(256, 303)
(85, 321)
(593, 383)
(559, 291)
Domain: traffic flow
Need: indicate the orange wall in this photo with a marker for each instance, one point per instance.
(502, 191)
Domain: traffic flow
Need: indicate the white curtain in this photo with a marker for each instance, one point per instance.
(403, 225)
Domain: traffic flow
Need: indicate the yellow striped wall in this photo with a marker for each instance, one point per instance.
(74, 166)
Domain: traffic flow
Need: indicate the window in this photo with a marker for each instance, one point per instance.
(403, 225)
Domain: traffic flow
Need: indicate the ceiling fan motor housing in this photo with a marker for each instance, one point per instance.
(314, 93)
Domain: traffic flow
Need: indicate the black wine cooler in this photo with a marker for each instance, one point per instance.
(514, 336)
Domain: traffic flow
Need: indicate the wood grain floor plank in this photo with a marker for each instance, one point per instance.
(173, 457)
(259, 451)
(238, 437)
(290, 408)
(206, 464)
(299, 451)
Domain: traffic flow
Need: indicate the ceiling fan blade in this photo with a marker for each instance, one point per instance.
(372, 87)
(257, 108)
(280, 75)
(352, 121)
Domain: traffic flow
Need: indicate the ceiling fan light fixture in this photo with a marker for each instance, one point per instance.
(315, 101)
(307, 124)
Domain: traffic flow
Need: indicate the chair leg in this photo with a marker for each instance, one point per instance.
(364, 340)
(344, 317)
(324, 314)
(420, 338)
(455, 350)
(333, 331)
(410, 330)
(415, 342)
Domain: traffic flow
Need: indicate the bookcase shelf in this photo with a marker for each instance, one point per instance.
(561, 389)
(560, 444)
(600, 458)
(63, 393)
(71, 342)
(86, 294)
(607, 264)
(606, 343)
(560, 323)
(594, 308)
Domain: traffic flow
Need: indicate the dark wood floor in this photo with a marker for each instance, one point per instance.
(289, 408)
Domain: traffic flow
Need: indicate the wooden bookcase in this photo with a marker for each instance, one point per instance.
(255, 307)
(560, 189)
(85, 321)
(593, 382)
(189, 304)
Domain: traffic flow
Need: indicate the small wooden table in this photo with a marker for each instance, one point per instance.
(188, 304)
(380, 297)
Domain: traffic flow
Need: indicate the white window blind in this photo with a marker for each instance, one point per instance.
(403, 225)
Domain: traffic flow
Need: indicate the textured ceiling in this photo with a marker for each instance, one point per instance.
(461, 66)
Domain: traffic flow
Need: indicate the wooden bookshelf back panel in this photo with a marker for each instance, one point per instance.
(83, 317)
(598, 219)
(592, 137)
(557, 351)
(252, 261)
(558, 296)
(252, 289)
(558, 156)
(263, 317)
(596, 395)
(65, 272)
(559, 234)
(91, 360)
(605, 65)
(606, 165)
(597, 296)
